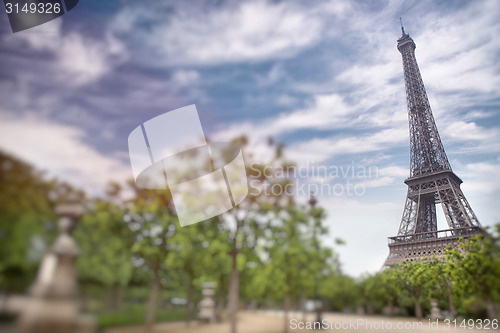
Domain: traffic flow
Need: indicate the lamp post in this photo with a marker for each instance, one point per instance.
(318, 303)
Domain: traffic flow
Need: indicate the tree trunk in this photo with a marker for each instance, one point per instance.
(189, 301)
(253, 305)
(302, 304)
(220, 302)
(490, 308)
(286, 308)
(150, 317)
(234, 293)
(451, 306)
(118, 297)
(108, 302)
(418, 308)
(390, 304)
(369, 308)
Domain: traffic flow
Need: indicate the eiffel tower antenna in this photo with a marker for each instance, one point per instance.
(431, 181)
(402, 28)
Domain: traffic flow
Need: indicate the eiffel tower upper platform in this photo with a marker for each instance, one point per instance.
(431, 180)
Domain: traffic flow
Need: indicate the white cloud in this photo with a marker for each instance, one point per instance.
(251, 31)
(185, 77)
(79, 60)
(482, 178)
(61, 151)
(469, 131)
(327, 111)
(456, 50)
(481, 187)
(275, 74)
(378, 182)
(84, 60)
(395, 171)
(287, 100)
(321, 149)
(45, 37)
(372, 74)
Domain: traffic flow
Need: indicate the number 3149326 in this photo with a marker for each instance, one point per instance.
(33, 8)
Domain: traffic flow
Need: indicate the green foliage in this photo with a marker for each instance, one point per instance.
(199, 250)
(414, 275)
(477, 264)
(153, 223)
(342, 292)
(416, 278)
(475, 268)
(133, 314)
(27, 222)
(391, 281)
(104, 240)
(374, 293)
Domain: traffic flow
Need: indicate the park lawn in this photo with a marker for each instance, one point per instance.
(135, 314)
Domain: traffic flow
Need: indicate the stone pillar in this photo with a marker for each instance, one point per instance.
(435, 311)
(207, 304)
(52, 306)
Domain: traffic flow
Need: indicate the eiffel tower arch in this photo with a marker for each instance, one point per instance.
(431, 181)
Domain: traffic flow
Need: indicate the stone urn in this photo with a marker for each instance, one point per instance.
(206, 306)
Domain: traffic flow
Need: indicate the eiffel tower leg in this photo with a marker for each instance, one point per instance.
(456, 208)
(410, 213)
(426, 220)
(465, 207)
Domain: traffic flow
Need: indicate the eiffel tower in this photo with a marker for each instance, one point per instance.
(431, 180)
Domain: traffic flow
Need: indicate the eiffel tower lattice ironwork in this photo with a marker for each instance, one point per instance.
(431, 180)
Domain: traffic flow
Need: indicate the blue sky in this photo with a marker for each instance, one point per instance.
(322, 77)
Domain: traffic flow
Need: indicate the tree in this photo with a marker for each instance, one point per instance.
(475, 267)
(441, 282)
(319, 261)
(373, 291)
(150, 216)
(199, 252)
(296, 258)
(247, 223)
(27, 220)
(415, 276)
(104, 241)
(217, 266)
(391, 282)
(342, 292)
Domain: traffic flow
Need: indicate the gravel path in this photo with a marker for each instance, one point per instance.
(273, 322)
